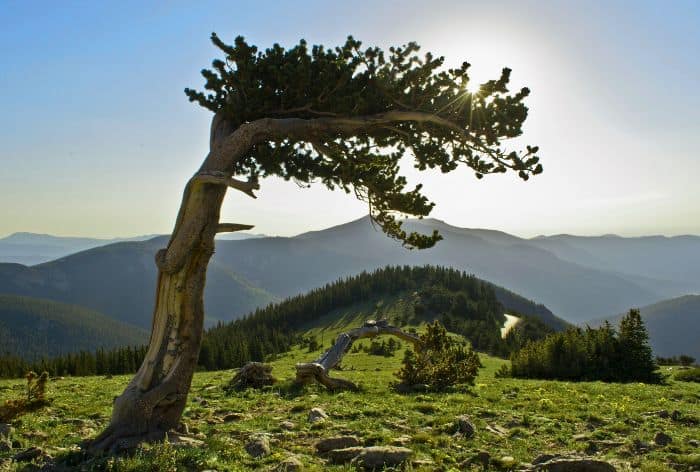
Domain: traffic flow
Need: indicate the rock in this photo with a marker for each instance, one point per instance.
(30, 454)
(663, 413)
(290, 464)
(545, 458)
(343, 456)
(574, 465)
(184, 441)
(464, 426)
(662, 438)
(694, 442)
(317, 414)
(676, 415)
(506, 462)
(338, 442)
(379, 457)
(401, 441)
(287, 425)
(233, 417)
(258, 446)
(252, 375)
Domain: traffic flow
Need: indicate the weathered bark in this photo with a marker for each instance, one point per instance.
(318, 370)
(152, 403)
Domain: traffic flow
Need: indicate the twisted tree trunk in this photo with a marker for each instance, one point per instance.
(153, 402)
(318, 369)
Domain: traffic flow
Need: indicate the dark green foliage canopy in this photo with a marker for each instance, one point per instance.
(374, 107)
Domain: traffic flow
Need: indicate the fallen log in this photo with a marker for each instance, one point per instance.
(318, 370)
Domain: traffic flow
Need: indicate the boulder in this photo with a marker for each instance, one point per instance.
(287, 425)
(338, 442)
(290, 464)
(343, 456)
(662, 438)
(464, 427)
(317, 414)
(258, 446)
(379, 457)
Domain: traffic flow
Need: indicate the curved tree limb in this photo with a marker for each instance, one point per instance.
(318, 369)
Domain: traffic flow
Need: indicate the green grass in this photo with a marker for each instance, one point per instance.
(536, 416)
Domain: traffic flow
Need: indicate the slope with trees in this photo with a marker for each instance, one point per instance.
(31, 328)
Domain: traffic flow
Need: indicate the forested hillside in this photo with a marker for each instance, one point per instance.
(407, 296)
(119, 280)
(32, 328)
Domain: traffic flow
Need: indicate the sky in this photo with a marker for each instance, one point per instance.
(98, 139)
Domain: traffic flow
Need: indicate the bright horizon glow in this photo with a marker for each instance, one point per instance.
(97, 138)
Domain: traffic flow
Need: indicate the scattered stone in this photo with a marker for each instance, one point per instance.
(30, 454)
(233, 417)
(339, 442)
(663, 414)
(662, 438)
(290, 464)
(574, 465)
(184, 441)
(252, 375)
(343, 456)
(287, 425)
(378, 457)
(401, 441)
(258, 446)
(694, 442)
(481, 458)
(581, 437)
(317, 414)
(545, 458)
(464, 426)
(506, 462)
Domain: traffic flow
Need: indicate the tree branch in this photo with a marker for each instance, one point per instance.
(232, 227)
(221, 178)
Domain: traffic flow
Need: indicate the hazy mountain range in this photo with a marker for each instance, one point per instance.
(577, 278)
(674, 325)
(33, 248)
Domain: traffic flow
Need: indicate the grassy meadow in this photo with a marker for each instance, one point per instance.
(515, 420)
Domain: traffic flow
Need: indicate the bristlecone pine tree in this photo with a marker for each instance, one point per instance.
(342, 117)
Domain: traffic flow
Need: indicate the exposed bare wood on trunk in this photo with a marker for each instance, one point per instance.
(318, 370)
(153, 402)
